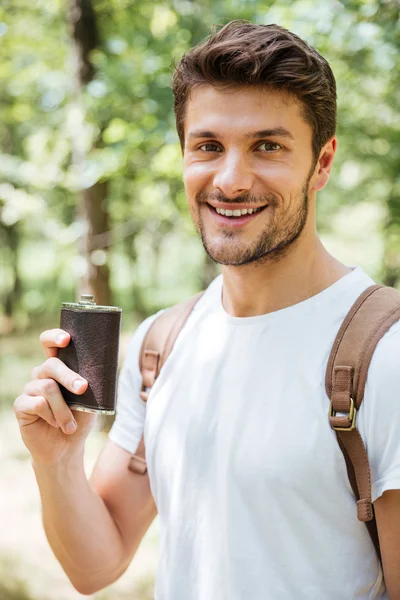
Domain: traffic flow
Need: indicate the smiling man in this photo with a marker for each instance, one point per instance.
(243, 468)
(242, 163)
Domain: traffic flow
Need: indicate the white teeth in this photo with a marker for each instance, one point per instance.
(236, 213)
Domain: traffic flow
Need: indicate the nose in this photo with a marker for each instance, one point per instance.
(233, 175)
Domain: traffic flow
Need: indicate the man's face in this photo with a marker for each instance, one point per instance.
(247, 150)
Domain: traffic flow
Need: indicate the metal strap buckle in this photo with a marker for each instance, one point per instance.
(351, 417)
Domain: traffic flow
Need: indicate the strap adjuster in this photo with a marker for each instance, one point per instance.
(351, 417)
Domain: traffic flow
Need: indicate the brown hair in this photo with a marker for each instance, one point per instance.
(245, 54)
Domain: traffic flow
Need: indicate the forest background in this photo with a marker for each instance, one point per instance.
(91, 195)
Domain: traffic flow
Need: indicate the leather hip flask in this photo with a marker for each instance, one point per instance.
(92, 353)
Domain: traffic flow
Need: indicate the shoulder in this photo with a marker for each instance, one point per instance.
(385, 363)
(383, 381)
(379, 418)
(208, 298)
(127, 428)
(136, 340)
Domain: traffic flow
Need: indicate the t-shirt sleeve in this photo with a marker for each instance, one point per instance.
(380, 414)
(128, 426)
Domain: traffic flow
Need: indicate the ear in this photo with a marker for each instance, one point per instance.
(324, 165)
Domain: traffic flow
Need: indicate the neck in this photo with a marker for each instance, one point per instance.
(257, 289)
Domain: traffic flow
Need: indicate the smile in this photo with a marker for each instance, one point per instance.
(237, 213)
(235, 217)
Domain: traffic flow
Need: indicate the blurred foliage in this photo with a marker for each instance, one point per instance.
(15, 586)
(14, 591)
(125, 124)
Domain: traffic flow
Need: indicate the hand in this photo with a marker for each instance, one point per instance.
(49, 429)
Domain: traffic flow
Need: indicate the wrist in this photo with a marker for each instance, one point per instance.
(68, 463)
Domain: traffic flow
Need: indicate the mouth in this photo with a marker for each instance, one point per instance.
(235, 217)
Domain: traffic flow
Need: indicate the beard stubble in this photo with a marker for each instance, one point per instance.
(271, 245)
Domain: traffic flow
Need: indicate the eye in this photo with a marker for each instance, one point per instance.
(209, 147)
(270, 146)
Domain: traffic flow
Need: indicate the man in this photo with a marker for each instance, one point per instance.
(244, 469)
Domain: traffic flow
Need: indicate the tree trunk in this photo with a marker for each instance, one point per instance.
(391, 259)
(13, 296)
(93, 208)
(391, 278)
(97, 276)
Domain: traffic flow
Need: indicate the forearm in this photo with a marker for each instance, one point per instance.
(78, 526)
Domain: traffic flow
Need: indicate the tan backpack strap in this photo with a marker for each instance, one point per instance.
(156, 347)
(370, 317)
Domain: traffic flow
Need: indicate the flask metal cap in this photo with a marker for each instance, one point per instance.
(87, 299)
(87, 302)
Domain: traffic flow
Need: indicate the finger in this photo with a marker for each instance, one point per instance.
(49, 389)
(27, 408)
(52, 339)
(53, 368)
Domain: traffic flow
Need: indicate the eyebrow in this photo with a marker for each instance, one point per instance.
(254, 135)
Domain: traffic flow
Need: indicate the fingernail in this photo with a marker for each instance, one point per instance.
(61, 338)
(77, 384)
(70, 427)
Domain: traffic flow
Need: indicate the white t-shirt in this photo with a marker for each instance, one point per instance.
(249, 481)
